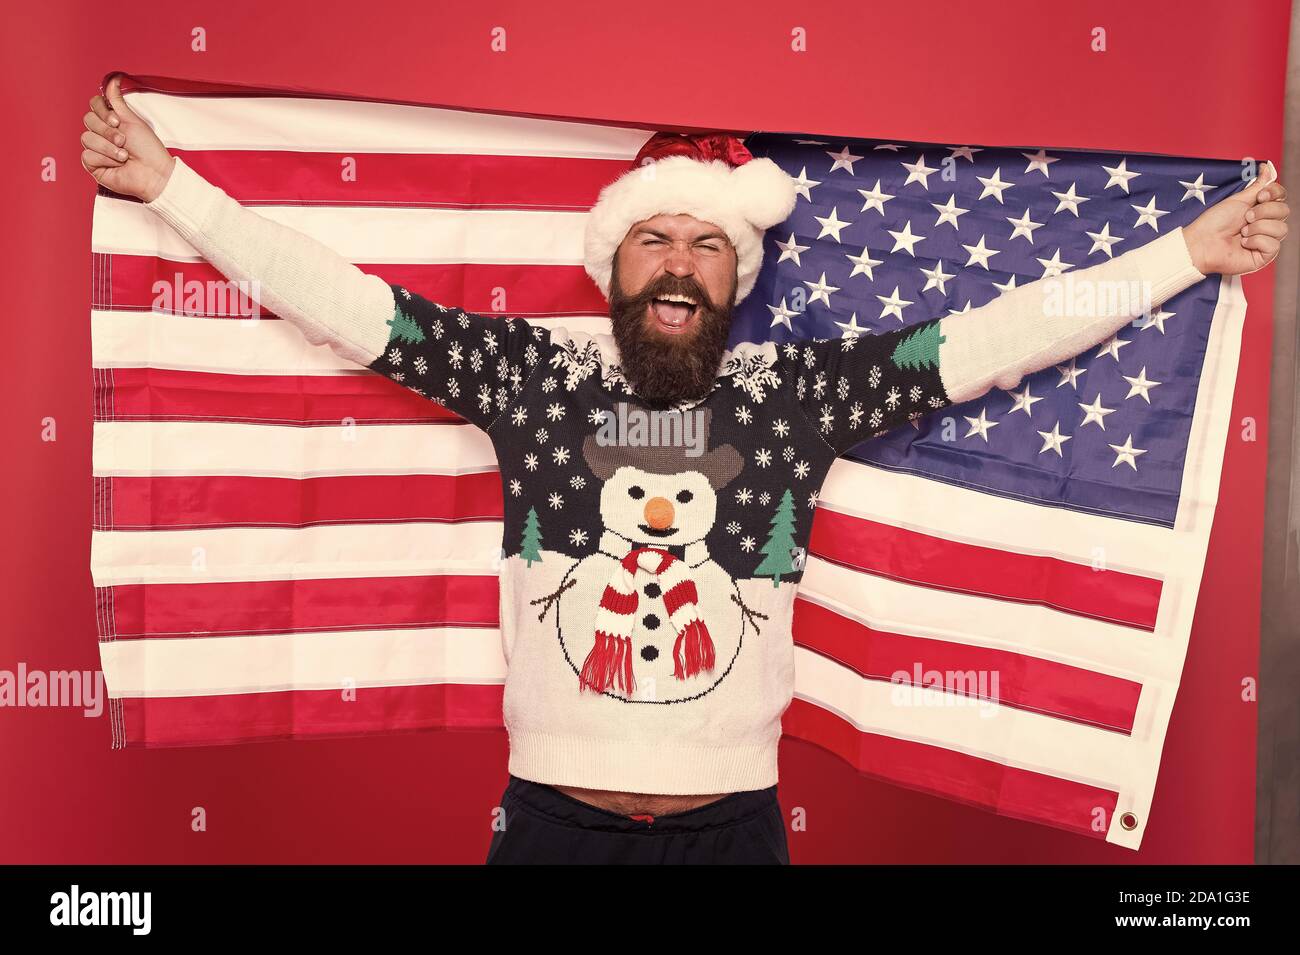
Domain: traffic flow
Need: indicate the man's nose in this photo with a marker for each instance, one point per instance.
(680, 262)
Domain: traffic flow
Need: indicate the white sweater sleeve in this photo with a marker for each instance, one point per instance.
(1051, 320)
(298, 278)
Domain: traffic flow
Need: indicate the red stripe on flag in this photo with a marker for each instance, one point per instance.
(1006, 790)
(1023, 681)
(182, 502)
(156, 394)
(929, 561)
(535, 290)
(248, 717)
(293, 606)
(446, 180)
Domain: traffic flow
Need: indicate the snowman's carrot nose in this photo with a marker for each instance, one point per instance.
(659, 513)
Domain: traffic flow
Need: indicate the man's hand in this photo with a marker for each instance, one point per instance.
(121, 150)
(1244, 232)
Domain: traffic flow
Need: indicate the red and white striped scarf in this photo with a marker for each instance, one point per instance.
(610, 661)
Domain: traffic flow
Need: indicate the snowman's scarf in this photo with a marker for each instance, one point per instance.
(609, 664)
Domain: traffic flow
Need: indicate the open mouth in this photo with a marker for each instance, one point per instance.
(657, 532)
(673, 313)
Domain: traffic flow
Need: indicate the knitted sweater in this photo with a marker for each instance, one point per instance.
(651, 559)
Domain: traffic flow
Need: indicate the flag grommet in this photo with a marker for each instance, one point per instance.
(1128, 821)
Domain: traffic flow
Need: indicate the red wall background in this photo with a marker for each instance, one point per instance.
(1189, 78)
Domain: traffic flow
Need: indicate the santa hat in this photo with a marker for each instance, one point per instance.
(710, 176)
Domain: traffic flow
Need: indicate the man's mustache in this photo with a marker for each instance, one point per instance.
(675, 286)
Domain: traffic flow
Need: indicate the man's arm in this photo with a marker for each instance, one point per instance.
(1038, 325)
(299, 279)
(471, 364)
(853, 389)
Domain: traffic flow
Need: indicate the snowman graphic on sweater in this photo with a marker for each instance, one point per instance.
(651, 617)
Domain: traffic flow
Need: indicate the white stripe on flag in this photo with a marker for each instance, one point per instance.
(210, 555)
(129, 339)
(327, 125)
(127, 448)
(208, 666)
(371, 234)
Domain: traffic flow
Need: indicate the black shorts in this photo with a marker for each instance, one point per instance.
(544, 825)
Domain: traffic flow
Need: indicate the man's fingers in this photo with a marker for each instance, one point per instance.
(1274, 227)
(99, 106)
(1265, 244)
(97, 143)
(1273, 191)
(1268, 210)
(98, 126)
(93, 162)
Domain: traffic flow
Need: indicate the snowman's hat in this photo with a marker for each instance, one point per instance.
(719, 465)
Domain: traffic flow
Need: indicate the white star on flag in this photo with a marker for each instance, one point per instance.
(1126, 453)
(919, 172)
(1149, 215)
(875, 198)
(1119, 175)
(994, 185)
(1052, 440)
(831, 225)
(1024, 226)
(904, 239)
(1040, 161)
(843, 159)
(948, 212)
(1069, 200)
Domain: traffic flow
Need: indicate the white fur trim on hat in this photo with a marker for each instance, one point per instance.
(743, 201)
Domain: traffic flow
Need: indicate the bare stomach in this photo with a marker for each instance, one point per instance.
(636, 804)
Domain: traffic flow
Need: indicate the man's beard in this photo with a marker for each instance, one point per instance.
(665, 369)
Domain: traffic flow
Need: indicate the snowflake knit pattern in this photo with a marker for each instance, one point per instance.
(652, 555)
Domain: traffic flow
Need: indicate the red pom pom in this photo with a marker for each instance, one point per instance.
(703, 147)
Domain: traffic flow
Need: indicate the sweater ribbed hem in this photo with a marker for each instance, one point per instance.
(1169, 263)
(637, 767)
(186, 200)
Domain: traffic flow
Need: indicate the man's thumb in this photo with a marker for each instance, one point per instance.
(1267, 173)
(113, 93)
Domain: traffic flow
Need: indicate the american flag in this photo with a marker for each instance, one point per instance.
(997, 598)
